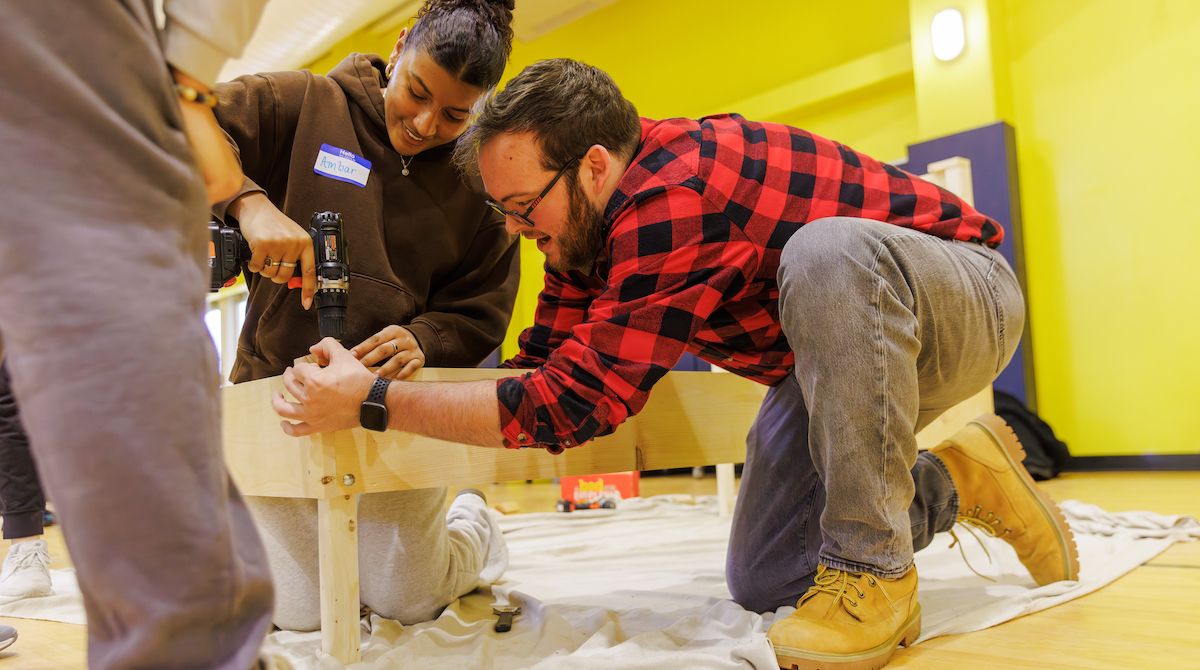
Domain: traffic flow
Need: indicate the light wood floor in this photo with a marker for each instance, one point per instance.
(1148, 619)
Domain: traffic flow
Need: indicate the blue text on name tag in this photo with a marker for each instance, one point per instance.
(342, 165)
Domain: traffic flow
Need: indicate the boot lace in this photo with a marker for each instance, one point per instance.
(838, 584)
(974, 520)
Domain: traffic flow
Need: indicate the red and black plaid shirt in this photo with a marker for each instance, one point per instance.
(698, 222)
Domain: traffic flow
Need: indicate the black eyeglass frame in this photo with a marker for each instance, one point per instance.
(524, 218)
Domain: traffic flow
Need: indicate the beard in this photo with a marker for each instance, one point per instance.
(583, 234)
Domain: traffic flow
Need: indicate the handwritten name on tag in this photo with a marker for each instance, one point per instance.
(342, 165)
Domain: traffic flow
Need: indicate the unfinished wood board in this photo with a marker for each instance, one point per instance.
(954, 175)
(397, 461)
(263, 460)
(693, 418)
(726, 489)
(337, 535)
(697, 418)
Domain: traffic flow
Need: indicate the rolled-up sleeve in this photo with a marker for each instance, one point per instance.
(200, 35)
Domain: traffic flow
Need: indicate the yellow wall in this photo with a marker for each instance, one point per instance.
(695, 57)
(880, 122)
(1107, 96)
(1104, 95)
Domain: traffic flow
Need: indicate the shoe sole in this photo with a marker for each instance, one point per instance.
(5, 644)
(789, 658)
(1003, 435)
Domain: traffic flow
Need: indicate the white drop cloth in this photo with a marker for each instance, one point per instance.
(643, 588)
(66, 605)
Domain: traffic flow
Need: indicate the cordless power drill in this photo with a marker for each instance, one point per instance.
(228, 254)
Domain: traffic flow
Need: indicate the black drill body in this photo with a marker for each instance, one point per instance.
(228, 254)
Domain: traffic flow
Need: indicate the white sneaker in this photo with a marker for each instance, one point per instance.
(26, 571)
(8, 635)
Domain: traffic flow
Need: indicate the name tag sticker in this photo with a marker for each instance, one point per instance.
(342, 165)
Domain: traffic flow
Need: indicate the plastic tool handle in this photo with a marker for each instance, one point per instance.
(505, 623)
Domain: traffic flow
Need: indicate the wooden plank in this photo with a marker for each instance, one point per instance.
(697, 418)
(337, 535)
(263, 460)
(726, 491)
(954, 175)
(691, 418)
(397, 461)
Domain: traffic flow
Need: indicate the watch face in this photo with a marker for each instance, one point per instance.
(373, 416)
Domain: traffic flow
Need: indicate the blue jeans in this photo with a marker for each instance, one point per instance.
(891, 327)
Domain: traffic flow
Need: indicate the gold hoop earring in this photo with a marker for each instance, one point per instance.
(387, 71)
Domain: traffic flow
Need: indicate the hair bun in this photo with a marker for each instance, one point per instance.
(498, 12)
(480, 5)
(471, 38)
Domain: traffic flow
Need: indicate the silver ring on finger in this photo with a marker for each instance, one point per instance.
(268, 262)
(285, 264)
(395, 347)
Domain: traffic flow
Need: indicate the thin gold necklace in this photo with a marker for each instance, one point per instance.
(404, 165)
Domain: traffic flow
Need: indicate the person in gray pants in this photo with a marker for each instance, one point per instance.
(102, 284)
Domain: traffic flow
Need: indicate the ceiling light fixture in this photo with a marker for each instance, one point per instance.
(949, 38)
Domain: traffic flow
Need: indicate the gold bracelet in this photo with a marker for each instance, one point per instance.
(192, 95)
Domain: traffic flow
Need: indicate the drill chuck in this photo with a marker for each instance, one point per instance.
(331, 310)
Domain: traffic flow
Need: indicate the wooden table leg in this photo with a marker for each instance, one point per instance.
(726, 493)
(337, 535)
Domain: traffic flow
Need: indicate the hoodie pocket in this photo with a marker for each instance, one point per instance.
(373, 305)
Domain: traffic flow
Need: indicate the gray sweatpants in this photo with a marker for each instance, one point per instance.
(414, 557)
(891, 327)
(102, 284)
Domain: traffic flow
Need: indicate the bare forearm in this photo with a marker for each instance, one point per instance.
(463, 412)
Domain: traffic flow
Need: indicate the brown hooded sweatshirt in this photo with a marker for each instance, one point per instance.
(425, 251)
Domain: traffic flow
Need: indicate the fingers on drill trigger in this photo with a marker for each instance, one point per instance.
(308, 270)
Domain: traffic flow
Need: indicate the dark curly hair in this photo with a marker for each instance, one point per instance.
(470, 39)
(569, 105)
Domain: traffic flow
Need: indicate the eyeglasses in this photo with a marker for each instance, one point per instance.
(524, 218)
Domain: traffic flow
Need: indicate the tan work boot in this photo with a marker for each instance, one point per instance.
(848, 621)
(997, 495)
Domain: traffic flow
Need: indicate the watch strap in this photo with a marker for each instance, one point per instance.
(379, 391)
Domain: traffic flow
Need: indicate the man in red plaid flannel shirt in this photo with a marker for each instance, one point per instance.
(868, 299)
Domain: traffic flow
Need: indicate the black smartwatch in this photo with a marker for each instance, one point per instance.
(373, 415)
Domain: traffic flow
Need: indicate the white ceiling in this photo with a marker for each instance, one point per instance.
(294, 33)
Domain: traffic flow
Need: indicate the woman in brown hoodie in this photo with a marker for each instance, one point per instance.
(433, 276)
